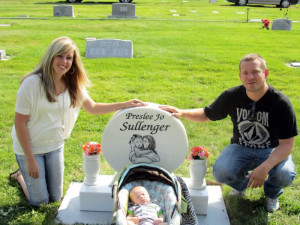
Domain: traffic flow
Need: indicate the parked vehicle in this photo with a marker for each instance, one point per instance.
(78, 1)
(278, 3)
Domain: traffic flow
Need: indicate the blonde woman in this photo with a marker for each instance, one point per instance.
(48, 103)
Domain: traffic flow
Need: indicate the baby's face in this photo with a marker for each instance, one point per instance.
(138, 142)
(139, 195)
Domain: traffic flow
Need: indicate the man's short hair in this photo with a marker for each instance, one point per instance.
(252, 57)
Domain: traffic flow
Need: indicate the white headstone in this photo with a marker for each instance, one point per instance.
(282, 24)
(90, 39)
(144, 135)
(2, 54)
(123, 10)
(63, 10)
(295, 64)
(255, 20)
(109, 48)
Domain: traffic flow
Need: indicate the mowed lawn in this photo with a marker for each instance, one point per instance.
(185, 60)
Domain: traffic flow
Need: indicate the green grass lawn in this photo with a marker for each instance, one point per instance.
(185, 60)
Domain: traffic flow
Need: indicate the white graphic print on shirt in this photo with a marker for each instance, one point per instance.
(253, 131)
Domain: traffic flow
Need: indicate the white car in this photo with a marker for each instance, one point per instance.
(279, 3)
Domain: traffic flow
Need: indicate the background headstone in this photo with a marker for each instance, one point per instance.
(295, 64)
(213, 1)
(24, 16)
(123, 10)
(2, 54)
(144, 135)
(282, 24)
(63, 10)
(90, 38)
(109, 48)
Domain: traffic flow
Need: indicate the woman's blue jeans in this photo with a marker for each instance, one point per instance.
(49, 185)
(236, 161)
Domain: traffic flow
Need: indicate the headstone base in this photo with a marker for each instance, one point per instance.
(199, 197)
(98, 198)
(69, 212)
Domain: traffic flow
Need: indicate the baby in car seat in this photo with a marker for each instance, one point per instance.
(143, 212)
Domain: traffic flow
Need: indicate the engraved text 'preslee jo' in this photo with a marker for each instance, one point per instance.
(141, 123)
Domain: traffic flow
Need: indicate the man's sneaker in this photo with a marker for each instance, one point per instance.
(272, 204)
(234, 192)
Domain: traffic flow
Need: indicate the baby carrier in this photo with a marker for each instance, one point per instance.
(165, 189)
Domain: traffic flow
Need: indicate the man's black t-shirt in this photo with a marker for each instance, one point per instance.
(255, 124)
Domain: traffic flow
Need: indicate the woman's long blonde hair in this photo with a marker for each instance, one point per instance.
(75, 79)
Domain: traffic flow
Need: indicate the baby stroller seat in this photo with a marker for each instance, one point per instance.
(164, 188)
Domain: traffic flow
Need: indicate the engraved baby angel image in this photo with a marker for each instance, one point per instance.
(143, 149)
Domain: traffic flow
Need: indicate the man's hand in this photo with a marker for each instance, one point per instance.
(174, 111)
(258, 176)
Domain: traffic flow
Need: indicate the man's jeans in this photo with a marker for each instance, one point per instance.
(236, 161)
(49, 185)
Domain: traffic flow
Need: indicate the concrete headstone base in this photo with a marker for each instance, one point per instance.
(71, 212)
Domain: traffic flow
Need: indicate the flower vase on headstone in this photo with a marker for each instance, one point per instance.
(198, 170)
(91, 167)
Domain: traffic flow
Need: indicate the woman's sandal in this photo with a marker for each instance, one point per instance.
(14, 175)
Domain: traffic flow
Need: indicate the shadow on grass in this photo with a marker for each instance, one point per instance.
(253, 209)
(23, 213)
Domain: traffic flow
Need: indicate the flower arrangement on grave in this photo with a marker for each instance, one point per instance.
(91, 148)
(199, 153)
(91, 162)
(198, 159)
(265, 23)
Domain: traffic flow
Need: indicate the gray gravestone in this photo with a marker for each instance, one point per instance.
(63, 10)
(213, 1)
(123, 10)
(109, 48)
(282, 24)
(2, 54)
